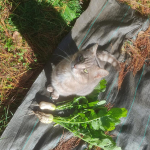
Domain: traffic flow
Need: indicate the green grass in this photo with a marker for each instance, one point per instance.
(30, 31)
(43, 23)
(6, 114)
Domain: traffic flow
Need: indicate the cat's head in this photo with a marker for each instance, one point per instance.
(84, 59)
(84, 65)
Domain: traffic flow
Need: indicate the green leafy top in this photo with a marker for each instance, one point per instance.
(69, 10)
(91, 119)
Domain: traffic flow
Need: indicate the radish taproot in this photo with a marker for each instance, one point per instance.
(43, 117)
(47, 105)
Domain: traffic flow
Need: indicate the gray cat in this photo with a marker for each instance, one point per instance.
(80, 73)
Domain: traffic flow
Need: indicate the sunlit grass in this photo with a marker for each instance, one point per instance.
(29, 32)
(137, 51)
(143, 6)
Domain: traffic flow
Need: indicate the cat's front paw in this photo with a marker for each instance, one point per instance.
(50, 88)
(55, 95)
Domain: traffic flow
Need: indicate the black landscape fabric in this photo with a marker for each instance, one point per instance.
(108, 23)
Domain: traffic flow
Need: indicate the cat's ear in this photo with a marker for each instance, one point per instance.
(100, 73)
(94, 49)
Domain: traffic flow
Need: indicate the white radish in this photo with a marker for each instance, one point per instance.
(46, 119)
(43, 117)
(47, 105)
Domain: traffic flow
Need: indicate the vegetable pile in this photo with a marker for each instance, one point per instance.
(90, 119)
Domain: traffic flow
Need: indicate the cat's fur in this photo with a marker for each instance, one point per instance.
(80, 73)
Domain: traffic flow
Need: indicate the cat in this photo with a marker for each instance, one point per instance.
(80, 73)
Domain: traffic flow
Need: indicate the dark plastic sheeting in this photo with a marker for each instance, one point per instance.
(108, 23)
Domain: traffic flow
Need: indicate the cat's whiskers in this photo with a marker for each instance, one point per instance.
(74, 51)
(69, 49)
(63, 57)
(65, 53)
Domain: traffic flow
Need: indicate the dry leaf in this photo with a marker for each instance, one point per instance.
(17, 38)
(140, 34)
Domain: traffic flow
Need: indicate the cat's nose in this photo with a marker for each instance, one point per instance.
(73, 66)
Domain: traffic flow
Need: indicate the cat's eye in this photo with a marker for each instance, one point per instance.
(85, 70)
(80, 58)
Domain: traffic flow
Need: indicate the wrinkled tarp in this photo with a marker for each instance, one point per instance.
(108, 23)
